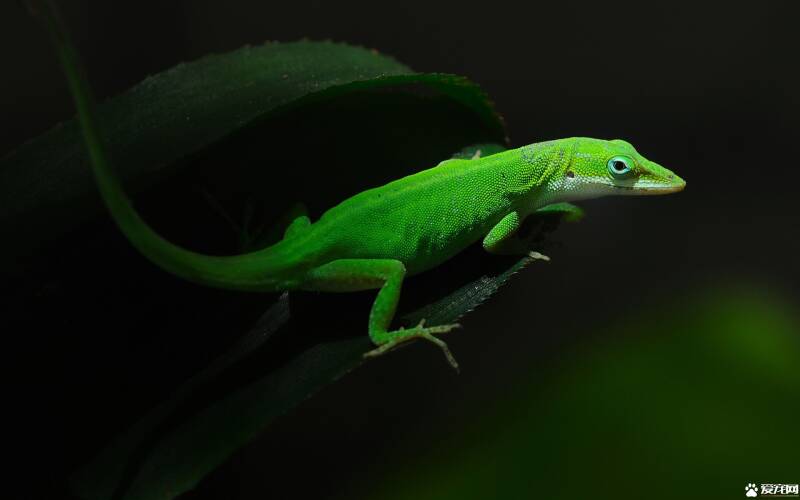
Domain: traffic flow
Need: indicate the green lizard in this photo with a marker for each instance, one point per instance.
(376, 238)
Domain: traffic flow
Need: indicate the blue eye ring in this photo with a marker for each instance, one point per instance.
(619, 166)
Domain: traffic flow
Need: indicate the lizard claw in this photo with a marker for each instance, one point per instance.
(538, 256)
(418, 332)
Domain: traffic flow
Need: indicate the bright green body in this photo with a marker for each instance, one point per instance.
(421, 220)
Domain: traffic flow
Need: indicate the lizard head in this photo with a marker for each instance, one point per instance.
(601, 168)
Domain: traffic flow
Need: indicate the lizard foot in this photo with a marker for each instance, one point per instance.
(420, 331)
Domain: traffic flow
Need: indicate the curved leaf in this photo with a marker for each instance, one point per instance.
(46, 188)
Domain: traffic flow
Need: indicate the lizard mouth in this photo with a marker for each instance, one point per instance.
(654, 189)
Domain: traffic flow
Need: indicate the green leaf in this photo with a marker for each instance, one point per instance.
(46, 189)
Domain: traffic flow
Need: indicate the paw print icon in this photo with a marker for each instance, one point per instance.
(750, 490)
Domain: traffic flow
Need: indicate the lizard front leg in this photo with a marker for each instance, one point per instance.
(503, 239)
(387, 275)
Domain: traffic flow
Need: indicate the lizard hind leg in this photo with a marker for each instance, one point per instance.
(297, 226)
(387, 275)
(290, 223)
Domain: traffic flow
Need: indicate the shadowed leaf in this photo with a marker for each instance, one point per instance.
(154, 460)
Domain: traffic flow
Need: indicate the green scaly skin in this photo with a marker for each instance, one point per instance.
(376, 238)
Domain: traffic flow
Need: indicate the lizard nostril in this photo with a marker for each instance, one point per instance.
(570, 174)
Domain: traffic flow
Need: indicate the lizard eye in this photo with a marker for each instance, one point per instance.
(619, 167)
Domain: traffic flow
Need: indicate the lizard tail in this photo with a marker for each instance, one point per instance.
(252, 271)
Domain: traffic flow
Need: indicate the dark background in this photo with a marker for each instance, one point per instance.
(707, 91)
